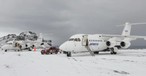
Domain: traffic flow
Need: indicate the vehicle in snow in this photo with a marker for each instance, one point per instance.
(51, 50)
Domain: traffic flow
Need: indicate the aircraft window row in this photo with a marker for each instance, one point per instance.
(71, 39)
(96, 40)
(74, 39)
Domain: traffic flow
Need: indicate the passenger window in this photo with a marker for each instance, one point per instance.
(10, 43)
(79, 39)
(76, 39)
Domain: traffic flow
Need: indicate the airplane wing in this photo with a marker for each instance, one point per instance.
(121, 36)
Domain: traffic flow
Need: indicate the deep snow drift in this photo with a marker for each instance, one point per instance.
(125, 63)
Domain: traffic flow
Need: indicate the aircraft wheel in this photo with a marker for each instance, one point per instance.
(113, 51)
(64, 52)
(56, 52)
(42, 52)
(96, 52)
(6, 50)
(29, 49)
(68, 54)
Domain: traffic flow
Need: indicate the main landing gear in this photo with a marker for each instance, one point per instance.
(114, 50)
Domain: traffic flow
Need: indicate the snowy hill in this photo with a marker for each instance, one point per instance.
(7, 38)
(29, 35)
(125, 63)
(22, 36)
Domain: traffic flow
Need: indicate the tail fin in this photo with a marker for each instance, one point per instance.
(40, 38)
(127, 29)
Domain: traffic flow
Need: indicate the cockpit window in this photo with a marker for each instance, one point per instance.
(71, 39)
(74, 39)
(78, 39)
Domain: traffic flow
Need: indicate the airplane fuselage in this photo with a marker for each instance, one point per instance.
(77, 43)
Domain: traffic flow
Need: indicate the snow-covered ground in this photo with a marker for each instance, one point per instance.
(125, 63)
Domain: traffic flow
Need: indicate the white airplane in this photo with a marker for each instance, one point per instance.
(10, 46)
(95, 43)
(18, 45)
(39, 43)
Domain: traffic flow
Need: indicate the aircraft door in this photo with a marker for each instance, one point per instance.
(85, 40)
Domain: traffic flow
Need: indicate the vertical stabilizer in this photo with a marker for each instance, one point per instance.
(40, 38)
(127, 29)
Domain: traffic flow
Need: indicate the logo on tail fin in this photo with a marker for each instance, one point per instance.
(40, 38)
(127, 29)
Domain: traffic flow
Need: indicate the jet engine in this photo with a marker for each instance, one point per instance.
(110, 43)
(117, 42)
(125, 44)
(113, 43)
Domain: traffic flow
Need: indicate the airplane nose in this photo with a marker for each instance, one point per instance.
(66, 46)
(62, 47)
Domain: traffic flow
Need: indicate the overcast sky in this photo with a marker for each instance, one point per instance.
(59, 19)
